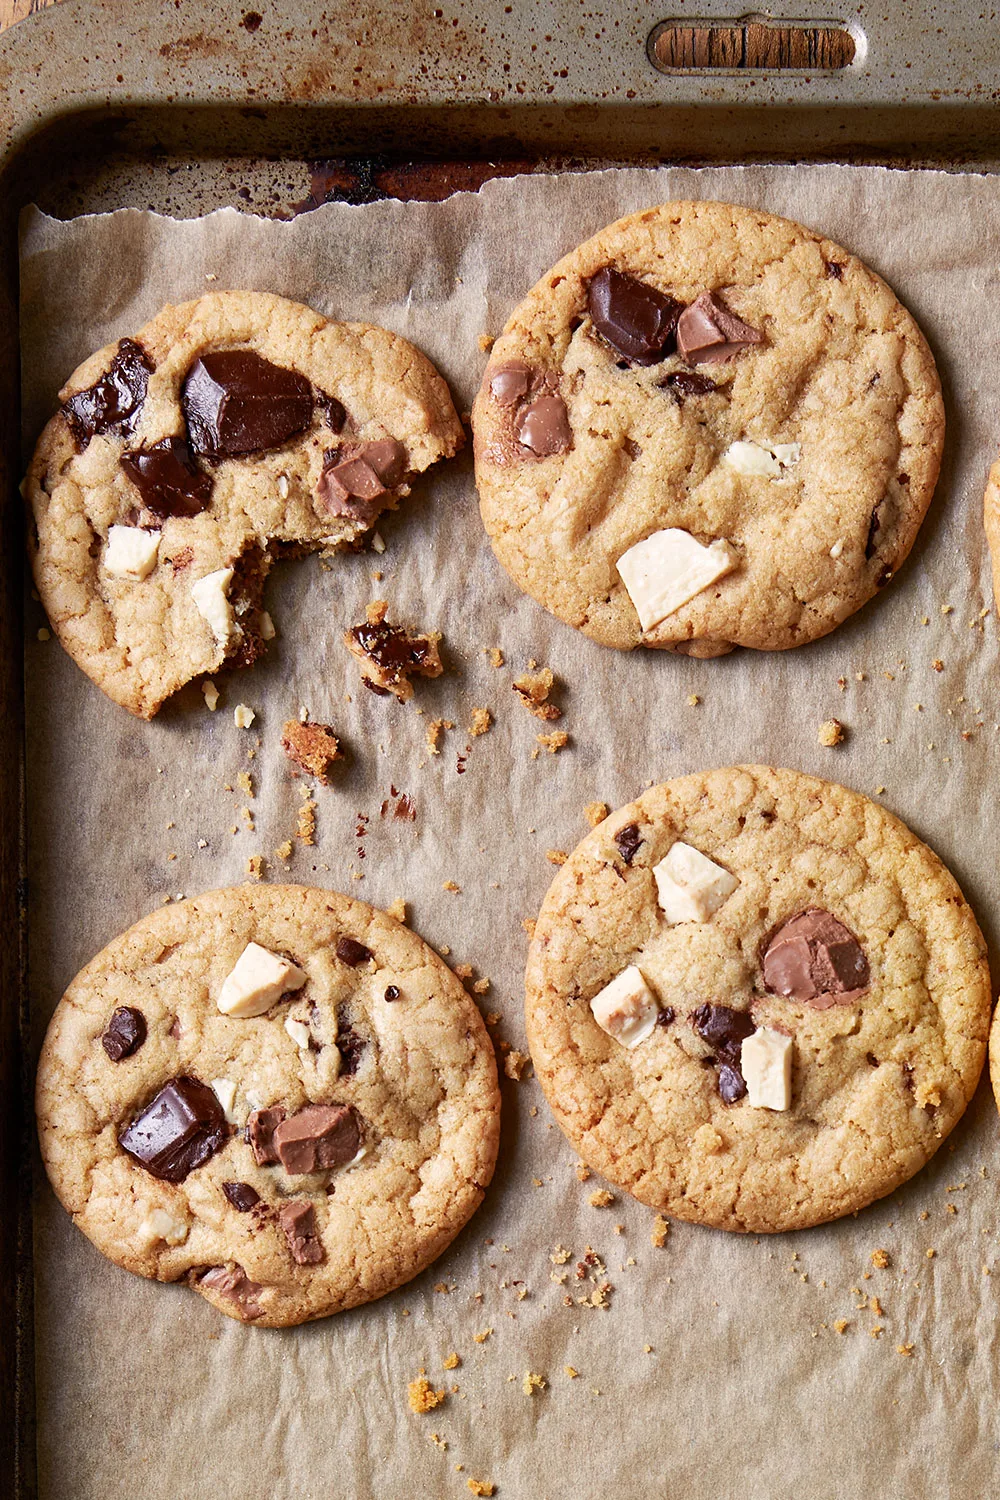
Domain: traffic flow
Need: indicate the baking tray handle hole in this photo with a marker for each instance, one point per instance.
(754, 44)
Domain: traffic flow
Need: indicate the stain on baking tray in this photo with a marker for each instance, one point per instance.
(367, 179)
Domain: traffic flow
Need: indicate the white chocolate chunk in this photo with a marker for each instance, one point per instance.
(690, 886)
(131, 552)
(626, 1008)
(259, 978)
(766, 1065)
(267, 631)
(766, 460)
(837, 548)
(298, 1031)
(243, 716)
(224, 1090)
(159, 1225)
(211, 695)
(669, 568)
(209, 595)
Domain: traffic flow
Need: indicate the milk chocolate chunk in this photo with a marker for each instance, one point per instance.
(708, 333)
(510, 384)
(628, 840)
(260, 1130)
(235, 402)
(168, 479)
(318, 1137)
(113, 403)
(125, 1033)
(543, 426)
(180, 1129)
(814, 957)
(233, 1283)
(636, 319)
(355, 477)
(298, 1220)
(241, 1195)
(350, 951)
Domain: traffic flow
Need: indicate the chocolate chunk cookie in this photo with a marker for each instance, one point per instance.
(278, 1095)
(755, 1000)
(228, 432)
(707, 427)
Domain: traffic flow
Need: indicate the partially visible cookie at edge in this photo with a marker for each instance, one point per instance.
(756, 1000)
(227, 433)
(276, 1094)
(707, 427)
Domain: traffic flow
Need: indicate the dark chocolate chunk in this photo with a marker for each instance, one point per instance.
(112, 403)
(350, 951)
(834, 269)
(543, 426)
(391, 992)
(233, 1283)
(125, 1033)
(318, 1137)
(350, 1044)
(628, 840)
(731, 1084)
(241, 1195)
(688, 383)
(874, 527)
(168, 479)
(813, 957)
(708, 333)
(260, 1132)
(235, 402)
(636, 319)
(180, 1129)
(666, 1017)
(334, 414)
(298, 1220)
(723, 1029)
(390, 655)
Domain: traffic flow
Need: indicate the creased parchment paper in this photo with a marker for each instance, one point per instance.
(717, 1369)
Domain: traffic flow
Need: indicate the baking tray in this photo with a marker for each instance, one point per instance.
(111, 103)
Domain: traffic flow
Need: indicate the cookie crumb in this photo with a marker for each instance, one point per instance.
(495, 656)
(422, 1396)
(596, 812)
(937, 664)
(481, 1487)
(397, 909)
(451, 1362)
(659, 1232)
(930, 1254)
(211, 693)
(312, 747)
(435, 730)
(516, 1064)
(881, 1260)
(449, 885)
(255, 866)
(556, 856)
(842, 1325)
(693, 700)
(831, 733)
(481, 986)
(601, 1199)
(582, 1172)
(284, 851)
(553, 742)
(533, 688)
(905, 1349)
(528, 923)
(480, 1338)
(532, 1383)
(245, 784)
(480, 722)
(569, 1370)
(305, 827)
(243, 716)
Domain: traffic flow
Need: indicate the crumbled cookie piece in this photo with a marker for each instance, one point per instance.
(532, 1383)
(449, 885)
(451, 1362)
(389, 655)
(659, 1233)
(533, 688)
(582, 1172)
(255, 866)
(481, 722)
(422, 1396)
(305, 827)
(284, 851)
(481, 1487)
(570, 1372)
(556, 856)
(831, 732)
(312, 747)
(516, 1064)
(905, 1349)
(842, 1325)
(596, 812)
(881, 1260)
(495, 656)
(435, 730)
(397, 909)
(601, 1198)
(554, 742)
(481, 1337)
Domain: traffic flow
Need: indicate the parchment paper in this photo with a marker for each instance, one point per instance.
(717, 1369)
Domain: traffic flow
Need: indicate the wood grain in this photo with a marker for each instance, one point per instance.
(16, 10)
(752, 45)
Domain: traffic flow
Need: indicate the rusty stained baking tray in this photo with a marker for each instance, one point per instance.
(186, 107)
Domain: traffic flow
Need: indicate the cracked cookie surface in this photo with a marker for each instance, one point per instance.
(843, 372)
(347, 391)
(381, 1028)
(877, 1082)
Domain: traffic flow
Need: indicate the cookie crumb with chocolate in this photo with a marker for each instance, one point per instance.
(533, 688)
(389, 655)
(422, 1396)
(311, 747)
(831, 733)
